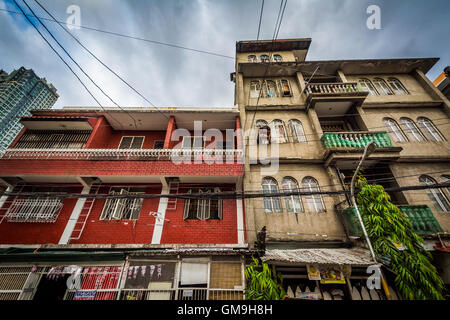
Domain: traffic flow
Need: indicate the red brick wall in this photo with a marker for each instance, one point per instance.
(96, 168)
(139, 231)
(222, 231)
(37, 233)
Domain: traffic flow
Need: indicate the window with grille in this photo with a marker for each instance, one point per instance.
(122, 208)
(437, 196)
(314, 202)
(52, 139)
(293, 203)
(430, 129)
(297, 132)
(263, 132)
(367, 85)
(382, 86)
(40, 209)
(394, 130)
(411, 130)
(278, 131)
(209, 208)
(397, 86)
(255, 88)
(131, 142)
(271, 204)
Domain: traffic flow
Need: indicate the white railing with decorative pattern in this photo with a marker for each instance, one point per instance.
(330, 88)
(34, 210)
(119, 154)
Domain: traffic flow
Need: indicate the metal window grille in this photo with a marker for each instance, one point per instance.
(203, 209)
(34, 210)
(49, 139)
(124, 208)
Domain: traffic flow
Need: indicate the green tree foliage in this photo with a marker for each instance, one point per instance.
(261, 284)
(416, 277)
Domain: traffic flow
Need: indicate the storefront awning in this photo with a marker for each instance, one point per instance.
(354, 256)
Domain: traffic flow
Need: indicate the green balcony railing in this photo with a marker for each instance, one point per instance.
(421, 217)
(355, 139)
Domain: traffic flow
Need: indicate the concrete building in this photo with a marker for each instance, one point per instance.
(21, 91)
(442, 82)
(152, 247)
(306, 124)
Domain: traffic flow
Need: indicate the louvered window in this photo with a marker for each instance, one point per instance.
(131, 142)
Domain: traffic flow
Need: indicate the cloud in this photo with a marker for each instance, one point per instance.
(175, 77)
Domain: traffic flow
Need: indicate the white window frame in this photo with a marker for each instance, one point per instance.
(271, 204)
(412, 130)
(266, 89)
(255, 89)
(437, 197)
(292, 203)
(382, 87)
(275, 127)
(115, 208)
(394, 130)
(430, 129)
(313, 202)
(203, 206)
(132, 141)
(280, 83)
(365, 83)
(297, 130)
(397, 86)
(262, 124)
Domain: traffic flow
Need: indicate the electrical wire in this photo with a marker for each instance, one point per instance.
(100, 61)
(260, 19)
(76, 63)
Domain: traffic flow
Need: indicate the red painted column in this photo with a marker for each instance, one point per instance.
(170, 128)
(238, 134)
(97, 127)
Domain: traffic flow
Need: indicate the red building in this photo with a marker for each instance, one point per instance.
(74, 177)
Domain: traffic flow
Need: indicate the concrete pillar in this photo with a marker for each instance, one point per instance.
(432, 90)
(159, 221)
(101, 122)
(171, 126)
(240, 214)
(341, 76)
(315, 123)
(70, 226)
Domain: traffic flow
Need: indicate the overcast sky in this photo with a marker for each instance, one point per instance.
(169, 76)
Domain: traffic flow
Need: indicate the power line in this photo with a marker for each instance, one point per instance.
(132, 37)
(215, 195)
(76, 63)
(260, 19)
(93, 55)
(54, 50)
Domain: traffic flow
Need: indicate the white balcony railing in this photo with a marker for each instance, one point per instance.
(333, 88)
(34, 210)
(118, 154)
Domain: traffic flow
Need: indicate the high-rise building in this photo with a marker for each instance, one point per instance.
(21, 91)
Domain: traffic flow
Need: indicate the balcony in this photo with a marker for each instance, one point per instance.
(349, 146)
(343, 94)
(122, 154)
(421, 217)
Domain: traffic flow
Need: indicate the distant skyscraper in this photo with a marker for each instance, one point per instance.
(21, 91)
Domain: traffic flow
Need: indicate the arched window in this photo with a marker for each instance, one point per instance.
(285, 88)
(382, 86)
(270, 89)
(271, 204)
(277, 58)
(297, 132)
(255, 89)
(278, 131)
(252, 58)
(436, 196)
(430, 129)
(264, 58)
(314, 202)
(445, 178)
(263, 132)
(397, 86)
(411, 130)
(367, 85)
(292, 203)
(394, 130)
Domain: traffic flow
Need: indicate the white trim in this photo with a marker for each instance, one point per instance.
(159, 221)
(240, 221)
(70, 226)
